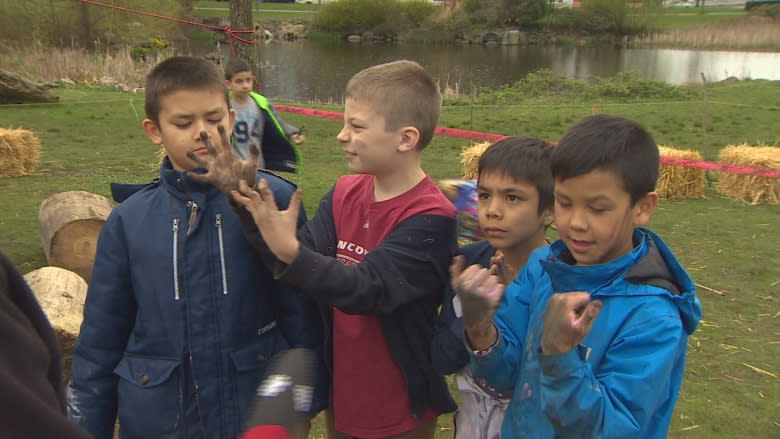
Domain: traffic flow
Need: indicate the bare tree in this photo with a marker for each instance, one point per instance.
(240, 19)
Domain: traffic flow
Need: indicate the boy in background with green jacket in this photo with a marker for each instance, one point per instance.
(257, 122)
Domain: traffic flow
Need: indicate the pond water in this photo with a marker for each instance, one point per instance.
(311, 70)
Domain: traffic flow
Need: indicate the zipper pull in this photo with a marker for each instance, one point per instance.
(193, 213)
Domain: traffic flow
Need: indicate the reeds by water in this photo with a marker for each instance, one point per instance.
(115, 68)
(748, 33)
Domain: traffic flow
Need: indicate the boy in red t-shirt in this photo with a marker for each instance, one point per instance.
(375, 255)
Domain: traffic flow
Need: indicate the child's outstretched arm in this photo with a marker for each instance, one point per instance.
(276, 227)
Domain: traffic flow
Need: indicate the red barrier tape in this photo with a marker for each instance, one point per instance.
(490, 137)
(720, 167)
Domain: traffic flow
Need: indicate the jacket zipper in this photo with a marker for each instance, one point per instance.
(175, 259)
(222, 254)
(193, 215)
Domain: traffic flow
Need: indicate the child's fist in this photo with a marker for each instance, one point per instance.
(567, 320)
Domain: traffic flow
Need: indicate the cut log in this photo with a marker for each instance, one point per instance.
(16, 90)
(61, 294)
(70, 224)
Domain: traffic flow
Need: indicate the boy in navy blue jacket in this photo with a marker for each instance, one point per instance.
(181, 316)
(591, 337)
(514, 207)
(374, 256)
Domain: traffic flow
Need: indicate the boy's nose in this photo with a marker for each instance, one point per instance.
(494, 208)
(342, 135)
(577, 220)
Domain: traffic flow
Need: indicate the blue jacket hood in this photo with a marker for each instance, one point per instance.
(651, 265)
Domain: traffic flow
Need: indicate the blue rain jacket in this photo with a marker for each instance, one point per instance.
(624, 378)
(181, 317)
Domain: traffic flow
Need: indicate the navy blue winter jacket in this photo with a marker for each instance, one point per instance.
(181, 317)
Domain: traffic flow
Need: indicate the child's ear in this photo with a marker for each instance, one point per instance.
(232, 119)
(152, 131)
(409, 138)
(547, 217)
(227, 83)
(644, 208)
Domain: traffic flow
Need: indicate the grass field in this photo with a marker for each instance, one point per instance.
(262, 12)
(732, 386)
(678, 18)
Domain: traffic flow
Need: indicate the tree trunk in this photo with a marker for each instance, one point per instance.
(241, 19)
(14, 90)
(86, 27)
(70, 224)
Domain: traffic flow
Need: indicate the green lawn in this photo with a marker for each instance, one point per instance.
(678, 18)
(262, 12)
(93, 137)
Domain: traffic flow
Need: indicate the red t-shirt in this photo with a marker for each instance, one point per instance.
(369, 390)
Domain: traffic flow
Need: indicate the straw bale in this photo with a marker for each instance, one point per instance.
(19, 152)
(62, 294)
(749, 188)
(679, 181)
(469, 159)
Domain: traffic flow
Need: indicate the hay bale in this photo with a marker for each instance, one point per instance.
(62, 294)
(678, 181)
(19, 152)
(70, 224)
(750, 188)
(469, 159)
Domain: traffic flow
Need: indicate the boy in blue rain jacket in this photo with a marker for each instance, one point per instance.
(592, 335)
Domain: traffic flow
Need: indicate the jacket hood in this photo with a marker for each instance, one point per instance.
(651, 265)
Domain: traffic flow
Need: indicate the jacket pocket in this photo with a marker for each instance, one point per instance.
(249, 363)
(149, 396)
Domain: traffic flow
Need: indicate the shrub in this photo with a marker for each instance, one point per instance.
(358, 16)
(772, 11)
(546, 86)
(416, 12)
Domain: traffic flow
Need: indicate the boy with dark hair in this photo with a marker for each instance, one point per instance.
(180, 316)
(591, 337)
(514, 207)
(375, 255)
(258, 123)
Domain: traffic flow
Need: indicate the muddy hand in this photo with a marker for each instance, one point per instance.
(567, 320)
(499, 267)
(224, 169)
(277, 227)
(479, 291)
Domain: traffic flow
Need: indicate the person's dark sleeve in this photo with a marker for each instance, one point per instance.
(410, 264)
(288, 129)
(448, 353)
(32, 404)
(298, 316)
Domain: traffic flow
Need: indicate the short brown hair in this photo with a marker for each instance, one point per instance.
(180, 73)
(235, 66)
(401, 91)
